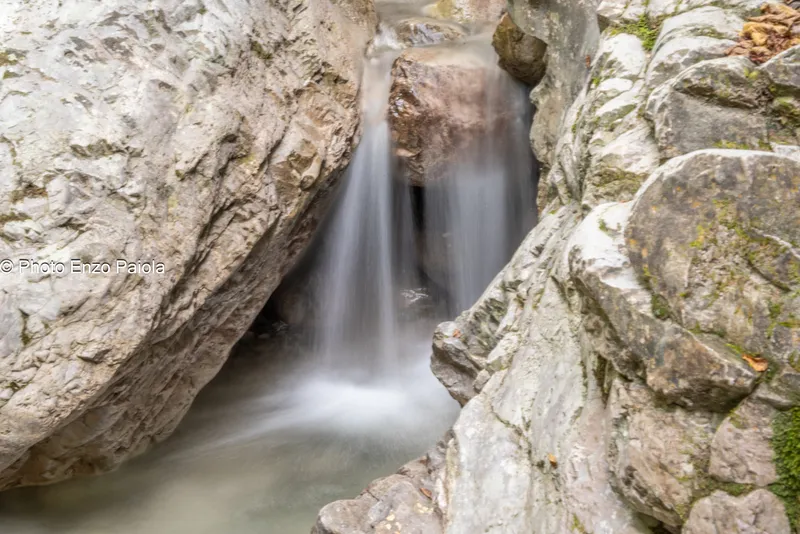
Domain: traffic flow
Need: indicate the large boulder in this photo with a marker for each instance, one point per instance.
(441, 100)
(199, 136)
(522, 55)
(714, 234)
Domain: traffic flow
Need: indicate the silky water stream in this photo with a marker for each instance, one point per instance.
(300, 419)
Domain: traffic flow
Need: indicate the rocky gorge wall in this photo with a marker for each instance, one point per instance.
(635, 368)
(200, 135)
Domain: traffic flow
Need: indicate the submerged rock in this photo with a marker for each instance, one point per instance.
(421, 31)
(198, 136)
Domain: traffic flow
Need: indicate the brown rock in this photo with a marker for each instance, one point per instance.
(440, 101)
(521, 55)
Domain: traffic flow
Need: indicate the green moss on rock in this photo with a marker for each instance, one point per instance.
(660, 307)
(645, 28)
(786, 444)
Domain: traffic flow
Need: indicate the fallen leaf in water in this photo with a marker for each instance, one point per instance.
(426, 492)
(457, 333)
(552, 460)
(758, 364)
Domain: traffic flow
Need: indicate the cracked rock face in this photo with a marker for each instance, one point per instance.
(192, 134)
(625, 372)
(759, 512)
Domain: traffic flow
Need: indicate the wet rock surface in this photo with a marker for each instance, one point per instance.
(438, 104)
(522, 55)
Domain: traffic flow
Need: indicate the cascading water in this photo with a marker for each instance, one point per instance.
(299, 420)
(480, 209)
(360, 261)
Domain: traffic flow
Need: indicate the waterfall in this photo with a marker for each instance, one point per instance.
(362, 257)
(479, 211)
(473, 217)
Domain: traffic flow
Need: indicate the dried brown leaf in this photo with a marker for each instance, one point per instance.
(758, 364)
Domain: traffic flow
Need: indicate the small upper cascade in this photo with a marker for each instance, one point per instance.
(440, 191)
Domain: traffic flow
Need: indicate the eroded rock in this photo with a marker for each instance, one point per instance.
(695, 371)
(398, 503)
(713, 234)
(198, 136)
(741, 452)
(657, 455)
(782, 71)
(759, 512)
(726, 92)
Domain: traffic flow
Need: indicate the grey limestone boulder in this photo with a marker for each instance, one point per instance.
(199, 135)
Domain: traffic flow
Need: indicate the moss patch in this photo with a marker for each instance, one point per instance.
(10, 57)
(577, 526)
(29, 191)
(786, 444)
(12, 217)
(645, 28)
(732, 145)
(660, 307)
